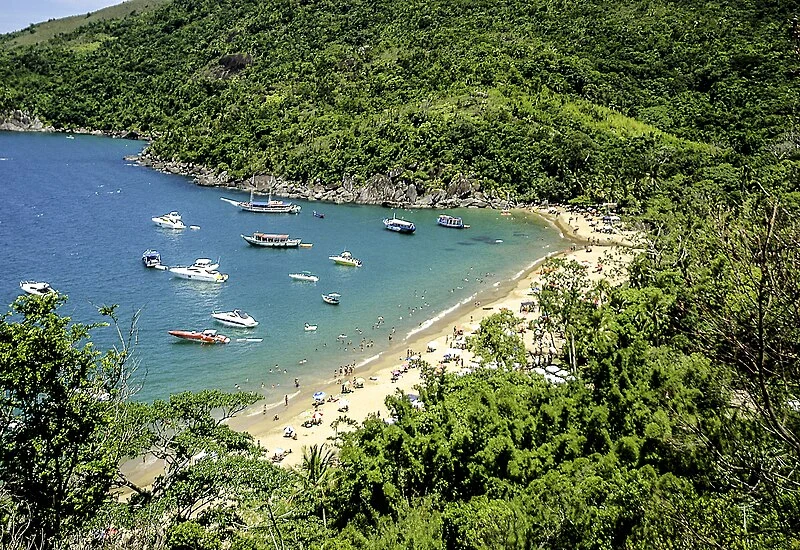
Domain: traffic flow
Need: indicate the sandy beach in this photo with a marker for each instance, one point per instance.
(612, 251)
(267, 422)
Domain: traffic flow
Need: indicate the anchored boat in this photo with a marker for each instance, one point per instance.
(345, 258)
(151, 258)
(236, 318)
(269, 207)
(205, 337)
(271, 240)
(35, 288)
(171, 220)
(331, 298)
(202, 269)
(452, 222)
(304, 276)
(398, 224)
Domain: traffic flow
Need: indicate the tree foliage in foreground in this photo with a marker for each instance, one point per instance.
(58, 397)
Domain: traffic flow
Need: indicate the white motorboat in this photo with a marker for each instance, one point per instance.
(345, 258)
(304, 276)
(331, 298)
(235, 318)
(171, 220)
(202, 269)
(310, 328)
(35, 288)
(271, 240)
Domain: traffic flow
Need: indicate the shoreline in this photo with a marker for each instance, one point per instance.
(377, 370)
(265, 421)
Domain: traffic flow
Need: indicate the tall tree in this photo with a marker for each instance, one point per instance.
(58, 396)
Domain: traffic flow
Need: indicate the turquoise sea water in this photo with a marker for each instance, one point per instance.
(76, 214)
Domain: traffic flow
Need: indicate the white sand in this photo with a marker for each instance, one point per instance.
(377, 374)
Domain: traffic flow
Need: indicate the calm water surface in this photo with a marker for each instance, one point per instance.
(77, 215)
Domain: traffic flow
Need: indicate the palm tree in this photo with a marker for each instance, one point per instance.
(317, 474)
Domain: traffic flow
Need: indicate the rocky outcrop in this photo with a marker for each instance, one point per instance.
(17, 121)
(391, 190)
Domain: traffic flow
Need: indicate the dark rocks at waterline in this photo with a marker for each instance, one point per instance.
(17, 121)
(384, 190)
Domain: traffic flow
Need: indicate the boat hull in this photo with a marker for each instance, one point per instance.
(233, 321)
(36, 288)
(186, 273)
(204, 337)
(401, 229)
(167, 225)
(286, 243)
(304, 278)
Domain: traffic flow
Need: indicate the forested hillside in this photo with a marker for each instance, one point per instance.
(548, 99)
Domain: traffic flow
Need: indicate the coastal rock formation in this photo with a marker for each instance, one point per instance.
(17, 121)
(392, 190)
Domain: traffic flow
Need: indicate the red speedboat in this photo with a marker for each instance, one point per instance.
(205, 337)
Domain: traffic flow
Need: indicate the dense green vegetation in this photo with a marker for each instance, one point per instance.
(550, 100)
(681, 428)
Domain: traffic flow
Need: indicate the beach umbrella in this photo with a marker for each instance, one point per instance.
(346, 384)
(414, 357)
(344, 404)
(360, 382)
(319, 396)
(419, 405)
(288, 431)
(316, 417)
(432, 345)
(396, 372)
(278, 451)
(453, 352)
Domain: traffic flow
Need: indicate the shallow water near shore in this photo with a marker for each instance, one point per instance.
(77, 215)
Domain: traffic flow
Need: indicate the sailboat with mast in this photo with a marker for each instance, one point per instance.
(269, 207)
